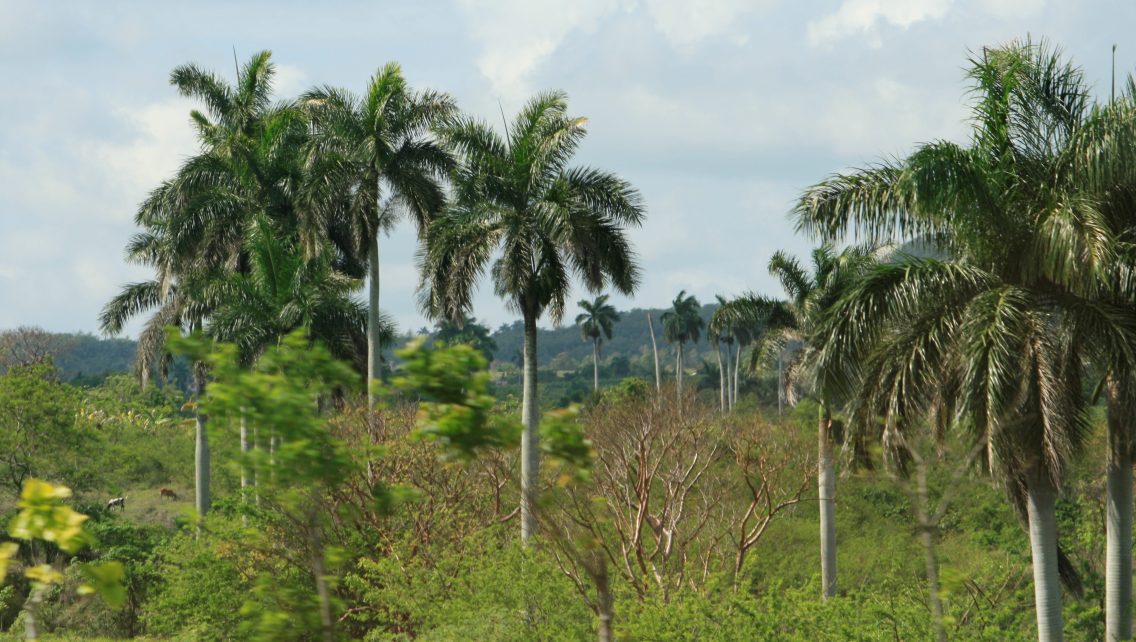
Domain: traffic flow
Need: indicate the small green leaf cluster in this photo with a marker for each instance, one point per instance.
(456, 407)
(44, 517)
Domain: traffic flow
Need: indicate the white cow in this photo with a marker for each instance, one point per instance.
(117, 501)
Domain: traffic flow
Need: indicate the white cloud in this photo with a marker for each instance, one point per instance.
(1007, 9)
(290, 80)
(518, 36)
(862, 117)
(686, 23)
(160, 138)
(861, 17)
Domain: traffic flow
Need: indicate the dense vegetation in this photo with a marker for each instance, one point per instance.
(903, 413)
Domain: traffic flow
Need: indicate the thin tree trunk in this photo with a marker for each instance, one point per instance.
(1118, 556)
(826, 489)
(31, 613)
(530, 416)
(723, 382)
(604, 603)
(319, 573)
(245, 447)
(678, 370)
(201, 452)
(737, 371)
(780, 385)
(655, 349)
(596, 364)
(245, 480)
(927, 529)
(256, 482)
(374, 350)
(1041, 504)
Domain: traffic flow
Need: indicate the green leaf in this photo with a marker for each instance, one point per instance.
(106, 579)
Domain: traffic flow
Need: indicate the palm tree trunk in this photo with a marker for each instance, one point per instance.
(826, 489)
(927, 529)
(374, 350)
(1118, 556)
(723, 383)
(655, 349)
(678, 370)
(201, 451)
(737, 370)
(530, 416)
(596, 364)
(256, 482)
(1041, 501)
(780, 385)
(245, 480)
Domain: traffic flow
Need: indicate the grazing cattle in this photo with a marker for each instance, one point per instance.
(120, 502)
(168, 492)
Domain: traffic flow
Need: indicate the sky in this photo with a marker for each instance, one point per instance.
(719, 111)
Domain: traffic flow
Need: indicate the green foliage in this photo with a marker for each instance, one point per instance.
(481, 588)
(201, 587)
(469, 331)
(44, 521)
(38, 435)
(456, 406)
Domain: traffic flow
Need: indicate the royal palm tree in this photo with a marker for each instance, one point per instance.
(721, 332)
(682, 323)
(596, 322)
(550, 221)
(795, 322)
(992, 337)
(377, 150)
(193, 222)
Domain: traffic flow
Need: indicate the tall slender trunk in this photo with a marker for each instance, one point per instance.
(927, 528)
(596, 364)
(737, 371)
(256, 482)
(246, 481)
(201, 450)
(655, 349)
(1041, 501)
(826, 489)
(780, 385)
(374, 349)
(678, 370)
(319, 572)
(530, 416)
(723, 382)
(1118, 556)
(604, 603)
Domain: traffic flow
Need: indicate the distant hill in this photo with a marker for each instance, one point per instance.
(79, 356)
(631, 338)
(88, 359)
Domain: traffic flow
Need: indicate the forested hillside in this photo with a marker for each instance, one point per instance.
(631, 338)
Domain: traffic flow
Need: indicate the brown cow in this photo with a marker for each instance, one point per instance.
(168, 492)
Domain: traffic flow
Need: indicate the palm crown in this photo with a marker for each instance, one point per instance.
(550, 221)
(682, 322)
(597, 319)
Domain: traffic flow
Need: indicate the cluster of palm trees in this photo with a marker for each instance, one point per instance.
(1023, 289)
(275, 223)
(1020, 292)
